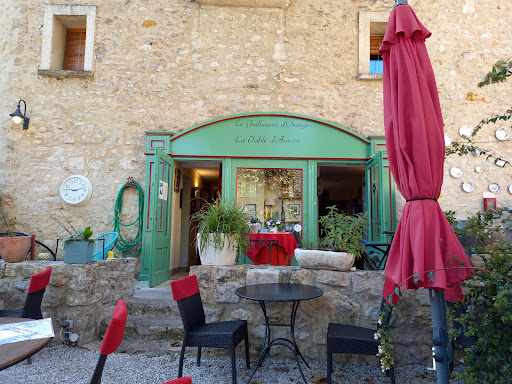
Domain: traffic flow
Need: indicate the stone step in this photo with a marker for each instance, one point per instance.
(153, 328)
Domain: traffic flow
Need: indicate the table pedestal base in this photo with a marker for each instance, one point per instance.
(290, 344)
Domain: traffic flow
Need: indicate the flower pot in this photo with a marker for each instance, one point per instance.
(254, 229)
(78, 252)
(15, 249)
(273, 229)
(318, 259)
(212, 256)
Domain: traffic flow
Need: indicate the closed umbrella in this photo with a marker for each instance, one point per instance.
(424, 240)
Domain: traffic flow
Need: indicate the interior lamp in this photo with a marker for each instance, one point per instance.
(270, 201)
(18, 117)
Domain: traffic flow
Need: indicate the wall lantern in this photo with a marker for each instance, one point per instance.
(18, 117)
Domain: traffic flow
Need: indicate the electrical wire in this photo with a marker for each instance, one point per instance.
(130, 248)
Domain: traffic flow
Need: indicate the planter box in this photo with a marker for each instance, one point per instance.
(317, 259)
(78, 252)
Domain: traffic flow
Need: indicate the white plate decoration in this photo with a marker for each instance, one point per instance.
(466, 131)
(510, 188)
(479, 168)
(494, 187)
(456, 172)
(447, 140)
(468, 186)
(502, 133)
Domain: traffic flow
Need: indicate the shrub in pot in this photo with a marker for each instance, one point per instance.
(222, 232)
(339, 243)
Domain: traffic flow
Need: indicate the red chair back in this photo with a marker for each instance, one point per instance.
(185, 287)
(115, 330)
(39, 280)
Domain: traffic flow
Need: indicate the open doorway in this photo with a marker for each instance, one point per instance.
(342, 186)
(201, 185)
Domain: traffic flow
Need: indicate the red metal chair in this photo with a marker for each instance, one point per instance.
(112, 339)
(181, 380)
(198, 333)
(36, 288)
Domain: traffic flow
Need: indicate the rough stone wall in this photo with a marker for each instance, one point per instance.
(349, 297)
(170, 64)
(84, 293)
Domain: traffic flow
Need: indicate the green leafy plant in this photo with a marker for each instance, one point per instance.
(383, 334)
(81, 236)
(75, 235)
(341, 232)
(9, 229)
(222, 219)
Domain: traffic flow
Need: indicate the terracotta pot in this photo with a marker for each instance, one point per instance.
(14, 249)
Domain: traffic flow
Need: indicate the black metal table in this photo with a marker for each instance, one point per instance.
(279, 292)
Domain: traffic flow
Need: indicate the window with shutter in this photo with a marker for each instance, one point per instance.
(74, 52)
(375, 58)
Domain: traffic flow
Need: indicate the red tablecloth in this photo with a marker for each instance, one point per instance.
(261, 255)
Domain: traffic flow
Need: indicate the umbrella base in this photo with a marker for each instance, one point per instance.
(443, 351)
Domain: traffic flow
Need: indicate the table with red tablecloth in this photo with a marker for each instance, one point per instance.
(259, 254)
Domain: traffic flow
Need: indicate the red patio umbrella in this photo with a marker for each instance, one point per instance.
(424, 239)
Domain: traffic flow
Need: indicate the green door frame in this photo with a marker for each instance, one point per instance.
(273, 140)
(161, 218)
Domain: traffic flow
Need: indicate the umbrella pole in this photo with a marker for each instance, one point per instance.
(443, 351)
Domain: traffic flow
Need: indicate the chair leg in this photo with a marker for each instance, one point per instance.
(198, 356)
(182, 355)
(329, 367)
(391, 374)
(233, 365)
(247, 360)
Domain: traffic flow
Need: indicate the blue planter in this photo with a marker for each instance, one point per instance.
(78, 252)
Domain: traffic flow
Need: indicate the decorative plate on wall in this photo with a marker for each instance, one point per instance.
(468, 186)
(466, 131)
(479, 168)
(456, 172)
(510, 188)
(447, 140)
(494, 187)
(502, 133)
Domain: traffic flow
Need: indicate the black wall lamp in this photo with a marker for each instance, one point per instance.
(18, 117)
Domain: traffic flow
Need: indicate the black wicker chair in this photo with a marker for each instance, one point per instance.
(198, 333)
(342, 338)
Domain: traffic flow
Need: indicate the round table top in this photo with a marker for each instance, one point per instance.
(13, 353)
(279, 292)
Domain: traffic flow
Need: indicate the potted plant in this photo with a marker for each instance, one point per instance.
(13, 247)
(79, 247)
(222, 232)
(339, 243)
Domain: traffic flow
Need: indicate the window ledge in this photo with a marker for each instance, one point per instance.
(63, 73)
(370, 76)
(247, 3)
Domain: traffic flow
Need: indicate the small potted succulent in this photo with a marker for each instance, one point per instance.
(79, 247)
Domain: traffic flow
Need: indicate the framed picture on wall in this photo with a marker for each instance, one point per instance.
(177, 177)
(250, 209)
(248, 188)
(294, 209)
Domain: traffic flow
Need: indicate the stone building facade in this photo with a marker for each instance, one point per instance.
(166, 65)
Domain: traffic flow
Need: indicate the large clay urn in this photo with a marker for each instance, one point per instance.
(14, 249)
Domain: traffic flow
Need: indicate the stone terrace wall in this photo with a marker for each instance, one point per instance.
(84, 293)
(349, 297)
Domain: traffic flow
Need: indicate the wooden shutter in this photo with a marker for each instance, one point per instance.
(375, 42)
(74, 52)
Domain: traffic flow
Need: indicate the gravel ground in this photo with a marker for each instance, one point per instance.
(59, 364)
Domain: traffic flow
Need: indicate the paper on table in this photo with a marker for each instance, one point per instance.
(27, 330)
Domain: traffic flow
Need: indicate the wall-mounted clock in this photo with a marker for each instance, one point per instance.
(76, 190)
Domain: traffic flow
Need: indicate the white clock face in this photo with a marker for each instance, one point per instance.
(76, 190)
